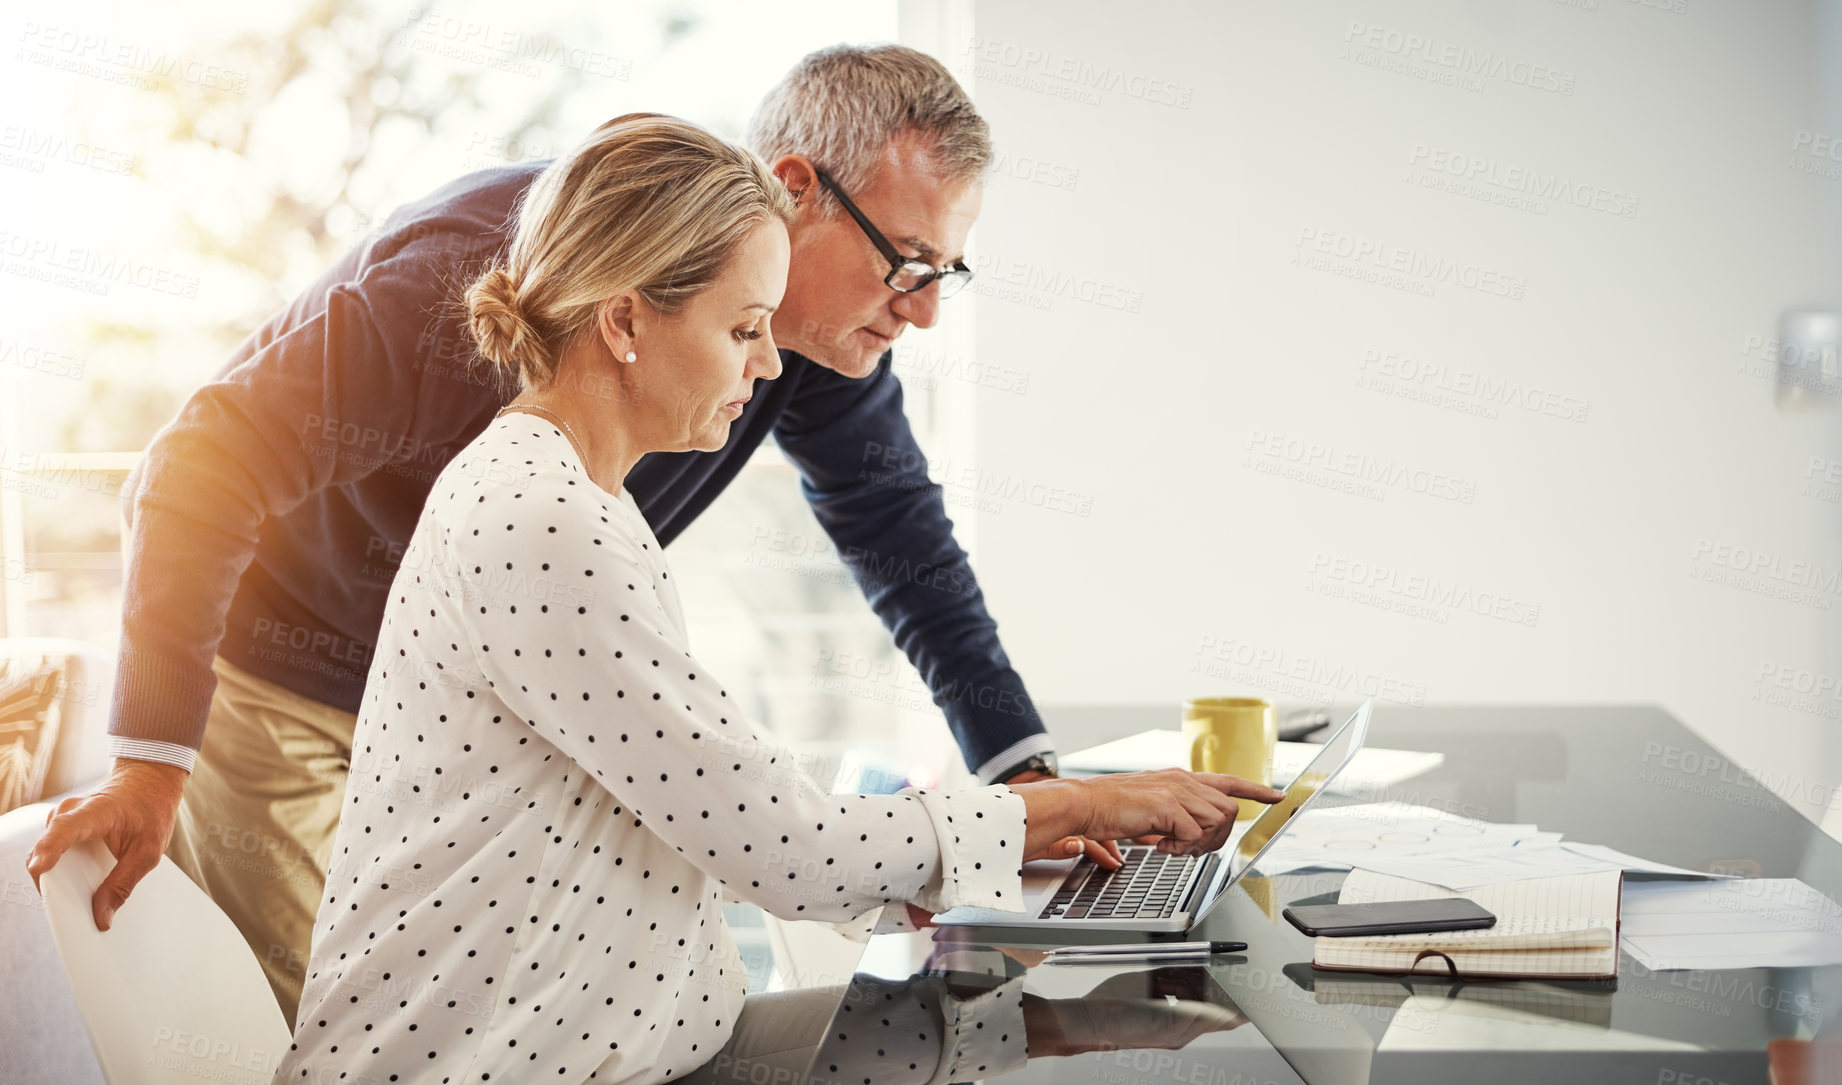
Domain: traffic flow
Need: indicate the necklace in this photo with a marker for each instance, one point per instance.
(581, 454)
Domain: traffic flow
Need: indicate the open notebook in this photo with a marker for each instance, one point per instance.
(1560, 928)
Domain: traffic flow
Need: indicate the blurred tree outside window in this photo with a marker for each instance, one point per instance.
(171, 175)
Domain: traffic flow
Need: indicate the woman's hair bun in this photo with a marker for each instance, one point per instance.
(499, 327)
(648, 205)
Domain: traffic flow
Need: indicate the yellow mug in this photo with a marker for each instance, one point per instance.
(1234, 735)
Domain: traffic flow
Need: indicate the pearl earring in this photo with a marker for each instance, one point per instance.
(632, 357)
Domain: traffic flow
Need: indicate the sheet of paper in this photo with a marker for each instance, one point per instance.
(1372, 770)
(1633, 865)
(1364, 835)
(1431, 845)
(1156, 749)
(1734, 923)
(1467, 869)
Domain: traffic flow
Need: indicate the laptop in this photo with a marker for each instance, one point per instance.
(1155, 892)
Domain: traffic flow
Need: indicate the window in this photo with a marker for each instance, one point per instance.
(168, 184)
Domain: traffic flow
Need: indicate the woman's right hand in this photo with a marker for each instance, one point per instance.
(1192, 812)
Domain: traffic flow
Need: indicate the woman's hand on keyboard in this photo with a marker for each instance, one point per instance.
(1192, 812)
(1104, 852)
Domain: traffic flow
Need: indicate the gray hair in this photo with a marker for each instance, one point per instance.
(841, 105)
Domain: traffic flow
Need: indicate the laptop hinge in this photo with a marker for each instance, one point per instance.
(1205, 877)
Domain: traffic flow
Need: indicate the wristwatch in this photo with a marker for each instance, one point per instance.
(1044, 763)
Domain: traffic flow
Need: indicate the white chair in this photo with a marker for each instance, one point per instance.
(171, 992)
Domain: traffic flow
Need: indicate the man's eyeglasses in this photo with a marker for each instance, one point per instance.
(905, 275)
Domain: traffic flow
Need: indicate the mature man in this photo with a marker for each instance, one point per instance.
(269, 518)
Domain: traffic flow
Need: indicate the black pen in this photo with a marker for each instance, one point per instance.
(1140, 951)
(1300, 724)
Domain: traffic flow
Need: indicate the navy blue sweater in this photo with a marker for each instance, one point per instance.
(270, 515)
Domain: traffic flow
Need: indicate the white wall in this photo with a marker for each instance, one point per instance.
(1150, 275)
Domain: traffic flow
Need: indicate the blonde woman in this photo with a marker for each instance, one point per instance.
(548, 793)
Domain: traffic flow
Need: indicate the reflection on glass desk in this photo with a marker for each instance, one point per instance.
(1604, 775)
(994, 1018)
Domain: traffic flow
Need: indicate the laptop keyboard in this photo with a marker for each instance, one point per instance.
(1149, 886)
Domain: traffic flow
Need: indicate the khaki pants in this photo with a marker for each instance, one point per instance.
(255, 828)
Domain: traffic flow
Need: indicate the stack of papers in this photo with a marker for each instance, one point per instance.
(1429, 845)
(1385, 834)
(1537, 856)
(1372, 771)
(1755, 923)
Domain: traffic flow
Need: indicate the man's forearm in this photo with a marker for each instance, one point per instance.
(182, 574)
(251, 445)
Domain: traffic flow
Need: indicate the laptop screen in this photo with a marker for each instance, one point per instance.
(1270, 825)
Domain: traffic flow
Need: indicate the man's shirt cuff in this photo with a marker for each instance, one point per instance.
(141, 749)
(1015, 754)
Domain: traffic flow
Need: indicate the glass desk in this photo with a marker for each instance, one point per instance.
(1629, 777)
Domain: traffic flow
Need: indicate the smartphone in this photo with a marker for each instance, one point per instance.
(1389, 917)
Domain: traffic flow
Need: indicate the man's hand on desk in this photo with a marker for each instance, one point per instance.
(1104, 852)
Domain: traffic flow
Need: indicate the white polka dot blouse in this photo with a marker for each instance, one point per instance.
(549, 795)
